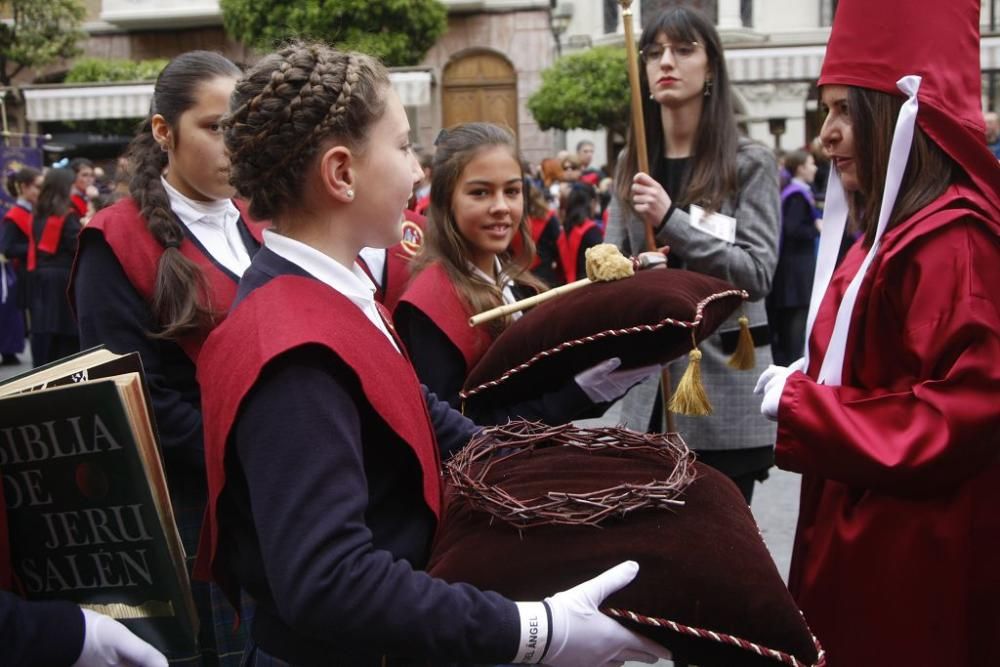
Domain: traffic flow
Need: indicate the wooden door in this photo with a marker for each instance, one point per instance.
(480, 87)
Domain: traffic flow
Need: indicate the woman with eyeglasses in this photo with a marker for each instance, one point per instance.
(702, 171)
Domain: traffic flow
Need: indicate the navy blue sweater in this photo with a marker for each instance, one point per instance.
(39, 633)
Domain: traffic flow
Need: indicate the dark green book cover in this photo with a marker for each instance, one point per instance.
(87, 511)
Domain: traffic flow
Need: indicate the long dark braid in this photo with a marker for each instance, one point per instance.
(180, 302)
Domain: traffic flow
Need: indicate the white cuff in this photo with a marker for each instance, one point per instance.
(536, 627)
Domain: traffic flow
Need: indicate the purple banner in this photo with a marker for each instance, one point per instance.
(13, 158)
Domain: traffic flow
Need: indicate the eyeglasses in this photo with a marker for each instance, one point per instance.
(680, 51)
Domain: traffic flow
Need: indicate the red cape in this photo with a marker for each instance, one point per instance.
(895, 553)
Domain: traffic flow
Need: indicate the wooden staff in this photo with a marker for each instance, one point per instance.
(639, 144)
(645, 260)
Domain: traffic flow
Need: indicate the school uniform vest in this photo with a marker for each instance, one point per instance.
(286, 313)
(48, 240)
(125, 230)
(569, 248)
(79, 204)
(432, 293)
(399, 257)
(22, 219)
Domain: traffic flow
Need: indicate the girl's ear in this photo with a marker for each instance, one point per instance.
(337, 173)
(162, 132)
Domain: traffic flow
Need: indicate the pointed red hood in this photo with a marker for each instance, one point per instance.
(874, 44)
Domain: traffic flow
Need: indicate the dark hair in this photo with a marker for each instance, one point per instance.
(444, 243)
(579, 206)
(712, 176)
(18, 179)
(284, 109)
(583, 142)
(536, 206)
(929, 170)
(78, 163)
(54, 199)
(796, 159)
(178, 297)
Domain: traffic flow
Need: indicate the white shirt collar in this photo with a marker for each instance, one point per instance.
(190, 211)
(506, 284)
(353, 283)
(25, 204)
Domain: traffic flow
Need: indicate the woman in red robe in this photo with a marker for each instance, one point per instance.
(893, 417)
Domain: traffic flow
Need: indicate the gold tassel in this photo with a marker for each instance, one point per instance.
(690, 397)
(745, 357)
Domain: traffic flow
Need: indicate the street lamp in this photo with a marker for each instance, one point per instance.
(559, 18)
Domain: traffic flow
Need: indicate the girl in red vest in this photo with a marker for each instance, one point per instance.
(15, 245)
(579, 231)
(323, 449)
(54, 228)
(158, 270)
(466, 266)
(82, 184)
(545, 232)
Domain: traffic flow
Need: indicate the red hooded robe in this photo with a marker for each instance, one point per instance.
(896, 548)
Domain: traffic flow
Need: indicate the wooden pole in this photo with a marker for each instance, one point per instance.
(639, 144)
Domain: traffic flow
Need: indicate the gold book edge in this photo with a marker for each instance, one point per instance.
(120, 610)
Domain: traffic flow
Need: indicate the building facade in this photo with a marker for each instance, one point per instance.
(774, 51)
(490, 59)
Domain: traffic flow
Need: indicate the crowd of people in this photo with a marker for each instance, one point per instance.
(250, 252)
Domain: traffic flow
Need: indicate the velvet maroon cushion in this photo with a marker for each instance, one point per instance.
(703, 565)
(645, 319)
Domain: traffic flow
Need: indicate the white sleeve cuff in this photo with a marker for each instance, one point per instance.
(536, 627)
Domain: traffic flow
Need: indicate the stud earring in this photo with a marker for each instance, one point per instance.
(350, 194)
(652, 96)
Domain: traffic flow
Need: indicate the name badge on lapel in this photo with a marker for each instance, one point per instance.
(718, 225)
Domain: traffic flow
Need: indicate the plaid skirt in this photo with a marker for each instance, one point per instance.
(220, 640)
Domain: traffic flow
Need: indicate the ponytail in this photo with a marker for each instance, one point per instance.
(180, 296)
(178, 303)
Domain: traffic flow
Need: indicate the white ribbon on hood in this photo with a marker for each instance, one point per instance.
(834, 224)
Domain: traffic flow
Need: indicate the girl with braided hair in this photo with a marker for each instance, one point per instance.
(158, 270)
(467, 265)
(323, 450)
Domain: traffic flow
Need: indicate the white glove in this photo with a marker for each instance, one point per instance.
(107, 642)
(771, 384)
(603, 383)
(583, 636)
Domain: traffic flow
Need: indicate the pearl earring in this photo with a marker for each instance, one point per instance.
(350, 194)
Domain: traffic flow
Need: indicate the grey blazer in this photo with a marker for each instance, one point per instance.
(749, 263)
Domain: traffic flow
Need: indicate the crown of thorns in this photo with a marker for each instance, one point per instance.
(470, 468)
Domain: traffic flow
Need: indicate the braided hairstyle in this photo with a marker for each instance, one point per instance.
(284, 109)
(179, 295)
